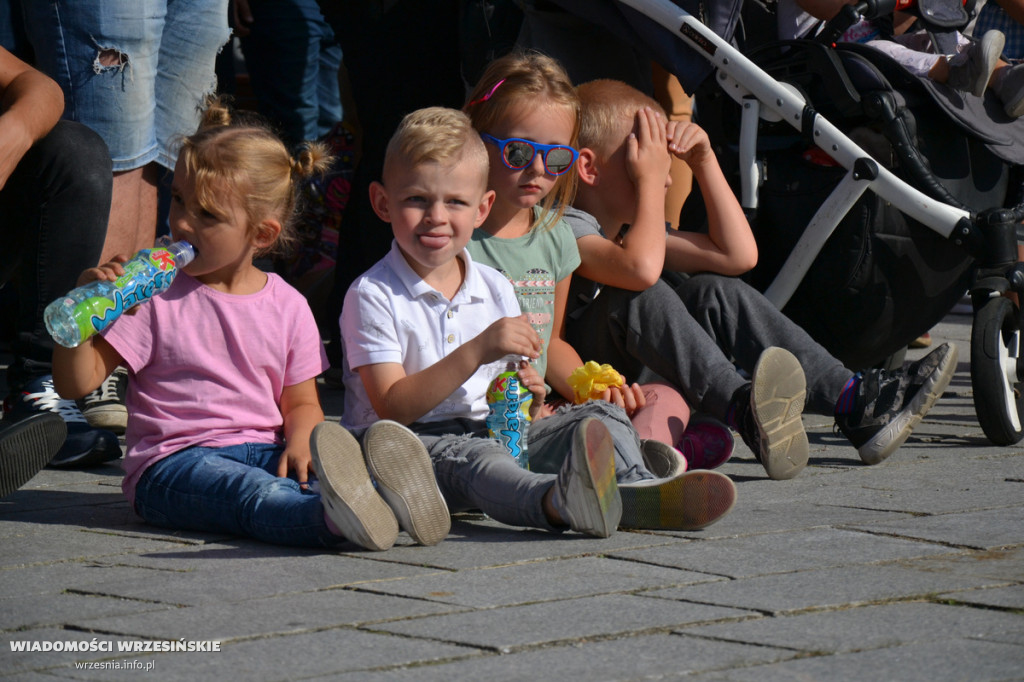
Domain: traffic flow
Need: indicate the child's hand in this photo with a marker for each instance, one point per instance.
(509, 336)
(646, 158)
(689, 142)
(529, 378)
(629, 397)
(298, 460)
(107, 271)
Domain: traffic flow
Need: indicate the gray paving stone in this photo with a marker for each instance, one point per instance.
(616, 659)
(823, 588)
(866, 627)
(927, 662)
(782, 552)
(539, 581)
(53, 543)
(52, 610)
(987, 529)
(1011, 597)
(1002, 565)
(269, 616)
(534, 624)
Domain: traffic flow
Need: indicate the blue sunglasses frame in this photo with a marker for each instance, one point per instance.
(544, 150)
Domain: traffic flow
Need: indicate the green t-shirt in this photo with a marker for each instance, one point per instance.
(534, 263)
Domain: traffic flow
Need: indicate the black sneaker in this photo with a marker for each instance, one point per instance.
(104, 408)
(84, 445)
(889, 405)
(26, 446)
(769, 413)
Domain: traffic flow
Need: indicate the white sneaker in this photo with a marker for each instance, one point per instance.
(399, 463)
(346, 491)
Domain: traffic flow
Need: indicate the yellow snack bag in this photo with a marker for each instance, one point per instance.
(590, 381)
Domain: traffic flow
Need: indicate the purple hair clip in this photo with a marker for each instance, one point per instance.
(490, 93)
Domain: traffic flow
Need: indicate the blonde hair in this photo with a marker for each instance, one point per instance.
(608, 112)
(232, 154)
(534, 78)
(439, 135)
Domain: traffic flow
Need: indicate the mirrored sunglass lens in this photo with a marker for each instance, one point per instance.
(518, 154)
(558, 160)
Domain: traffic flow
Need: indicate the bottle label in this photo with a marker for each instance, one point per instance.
(133, 287)
(510, 413)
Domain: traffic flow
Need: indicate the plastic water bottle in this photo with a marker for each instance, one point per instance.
(73, 318)
(508, 419)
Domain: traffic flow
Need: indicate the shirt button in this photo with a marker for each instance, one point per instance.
(451, 338)
(451, 314)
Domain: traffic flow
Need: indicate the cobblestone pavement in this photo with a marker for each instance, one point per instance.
(910, 570)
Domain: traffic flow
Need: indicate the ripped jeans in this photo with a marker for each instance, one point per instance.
(476, 472)
(135, 71)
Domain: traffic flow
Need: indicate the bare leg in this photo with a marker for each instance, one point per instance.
(132, 224)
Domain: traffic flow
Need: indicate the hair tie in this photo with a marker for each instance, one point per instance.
(490, 93)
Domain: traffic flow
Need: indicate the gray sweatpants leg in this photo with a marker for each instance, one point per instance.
(631, 330)
(742, 322)
(550, 439)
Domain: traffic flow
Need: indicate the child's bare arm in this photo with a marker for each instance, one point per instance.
(405, 398)
(729, 247)
(634, 260)
(79, 371)
(300, 408)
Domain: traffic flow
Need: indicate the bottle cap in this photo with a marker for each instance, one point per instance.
(183, 253)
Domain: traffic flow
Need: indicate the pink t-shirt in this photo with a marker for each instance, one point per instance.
(207, 368)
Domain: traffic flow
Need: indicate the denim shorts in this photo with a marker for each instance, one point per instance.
(163, 54)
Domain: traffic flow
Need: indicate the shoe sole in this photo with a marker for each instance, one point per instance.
(399, 463)
(592, 495)
(895, 433)
(691, 501)
(719, 457)
(347, 493)
(26, 447)
(778, 392)
(110, 417)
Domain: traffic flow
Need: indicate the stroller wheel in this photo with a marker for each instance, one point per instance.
(995, 352)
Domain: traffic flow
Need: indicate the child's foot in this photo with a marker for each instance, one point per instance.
(399, 463)
(972, 72)
(770, 421)
(661, 459)
(707, 443)
(585, 494)
(690, 501)
(888, 405)
(349, 498)
(1009, 87)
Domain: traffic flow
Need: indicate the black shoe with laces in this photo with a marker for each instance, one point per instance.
(889, 405)
(104, 408)
(84, 445)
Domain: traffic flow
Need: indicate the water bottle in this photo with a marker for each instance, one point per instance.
(73, 318)
(508, 418)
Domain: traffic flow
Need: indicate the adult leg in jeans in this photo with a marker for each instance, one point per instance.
(232, 490)
(652, 328)
(742, 322)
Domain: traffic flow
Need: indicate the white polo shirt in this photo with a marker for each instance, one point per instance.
(391, 315)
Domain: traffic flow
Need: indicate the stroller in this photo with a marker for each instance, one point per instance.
(864, 272)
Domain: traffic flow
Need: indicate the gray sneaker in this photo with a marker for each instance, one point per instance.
(585, 492)
(1009, 87)
(971, 70)
(400, 465)
(772, 424)
(346, 491)
(661, 459)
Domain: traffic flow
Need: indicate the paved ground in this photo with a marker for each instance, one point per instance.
(911, 570)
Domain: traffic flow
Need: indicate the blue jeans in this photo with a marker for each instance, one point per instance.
(292, 58)
(234, 490)
(135, 71)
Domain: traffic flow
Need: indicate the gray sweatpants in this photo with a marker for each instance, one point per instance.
(691, 337)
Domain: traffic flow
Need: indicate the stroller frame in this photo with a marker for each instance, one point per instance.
(989, 236)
